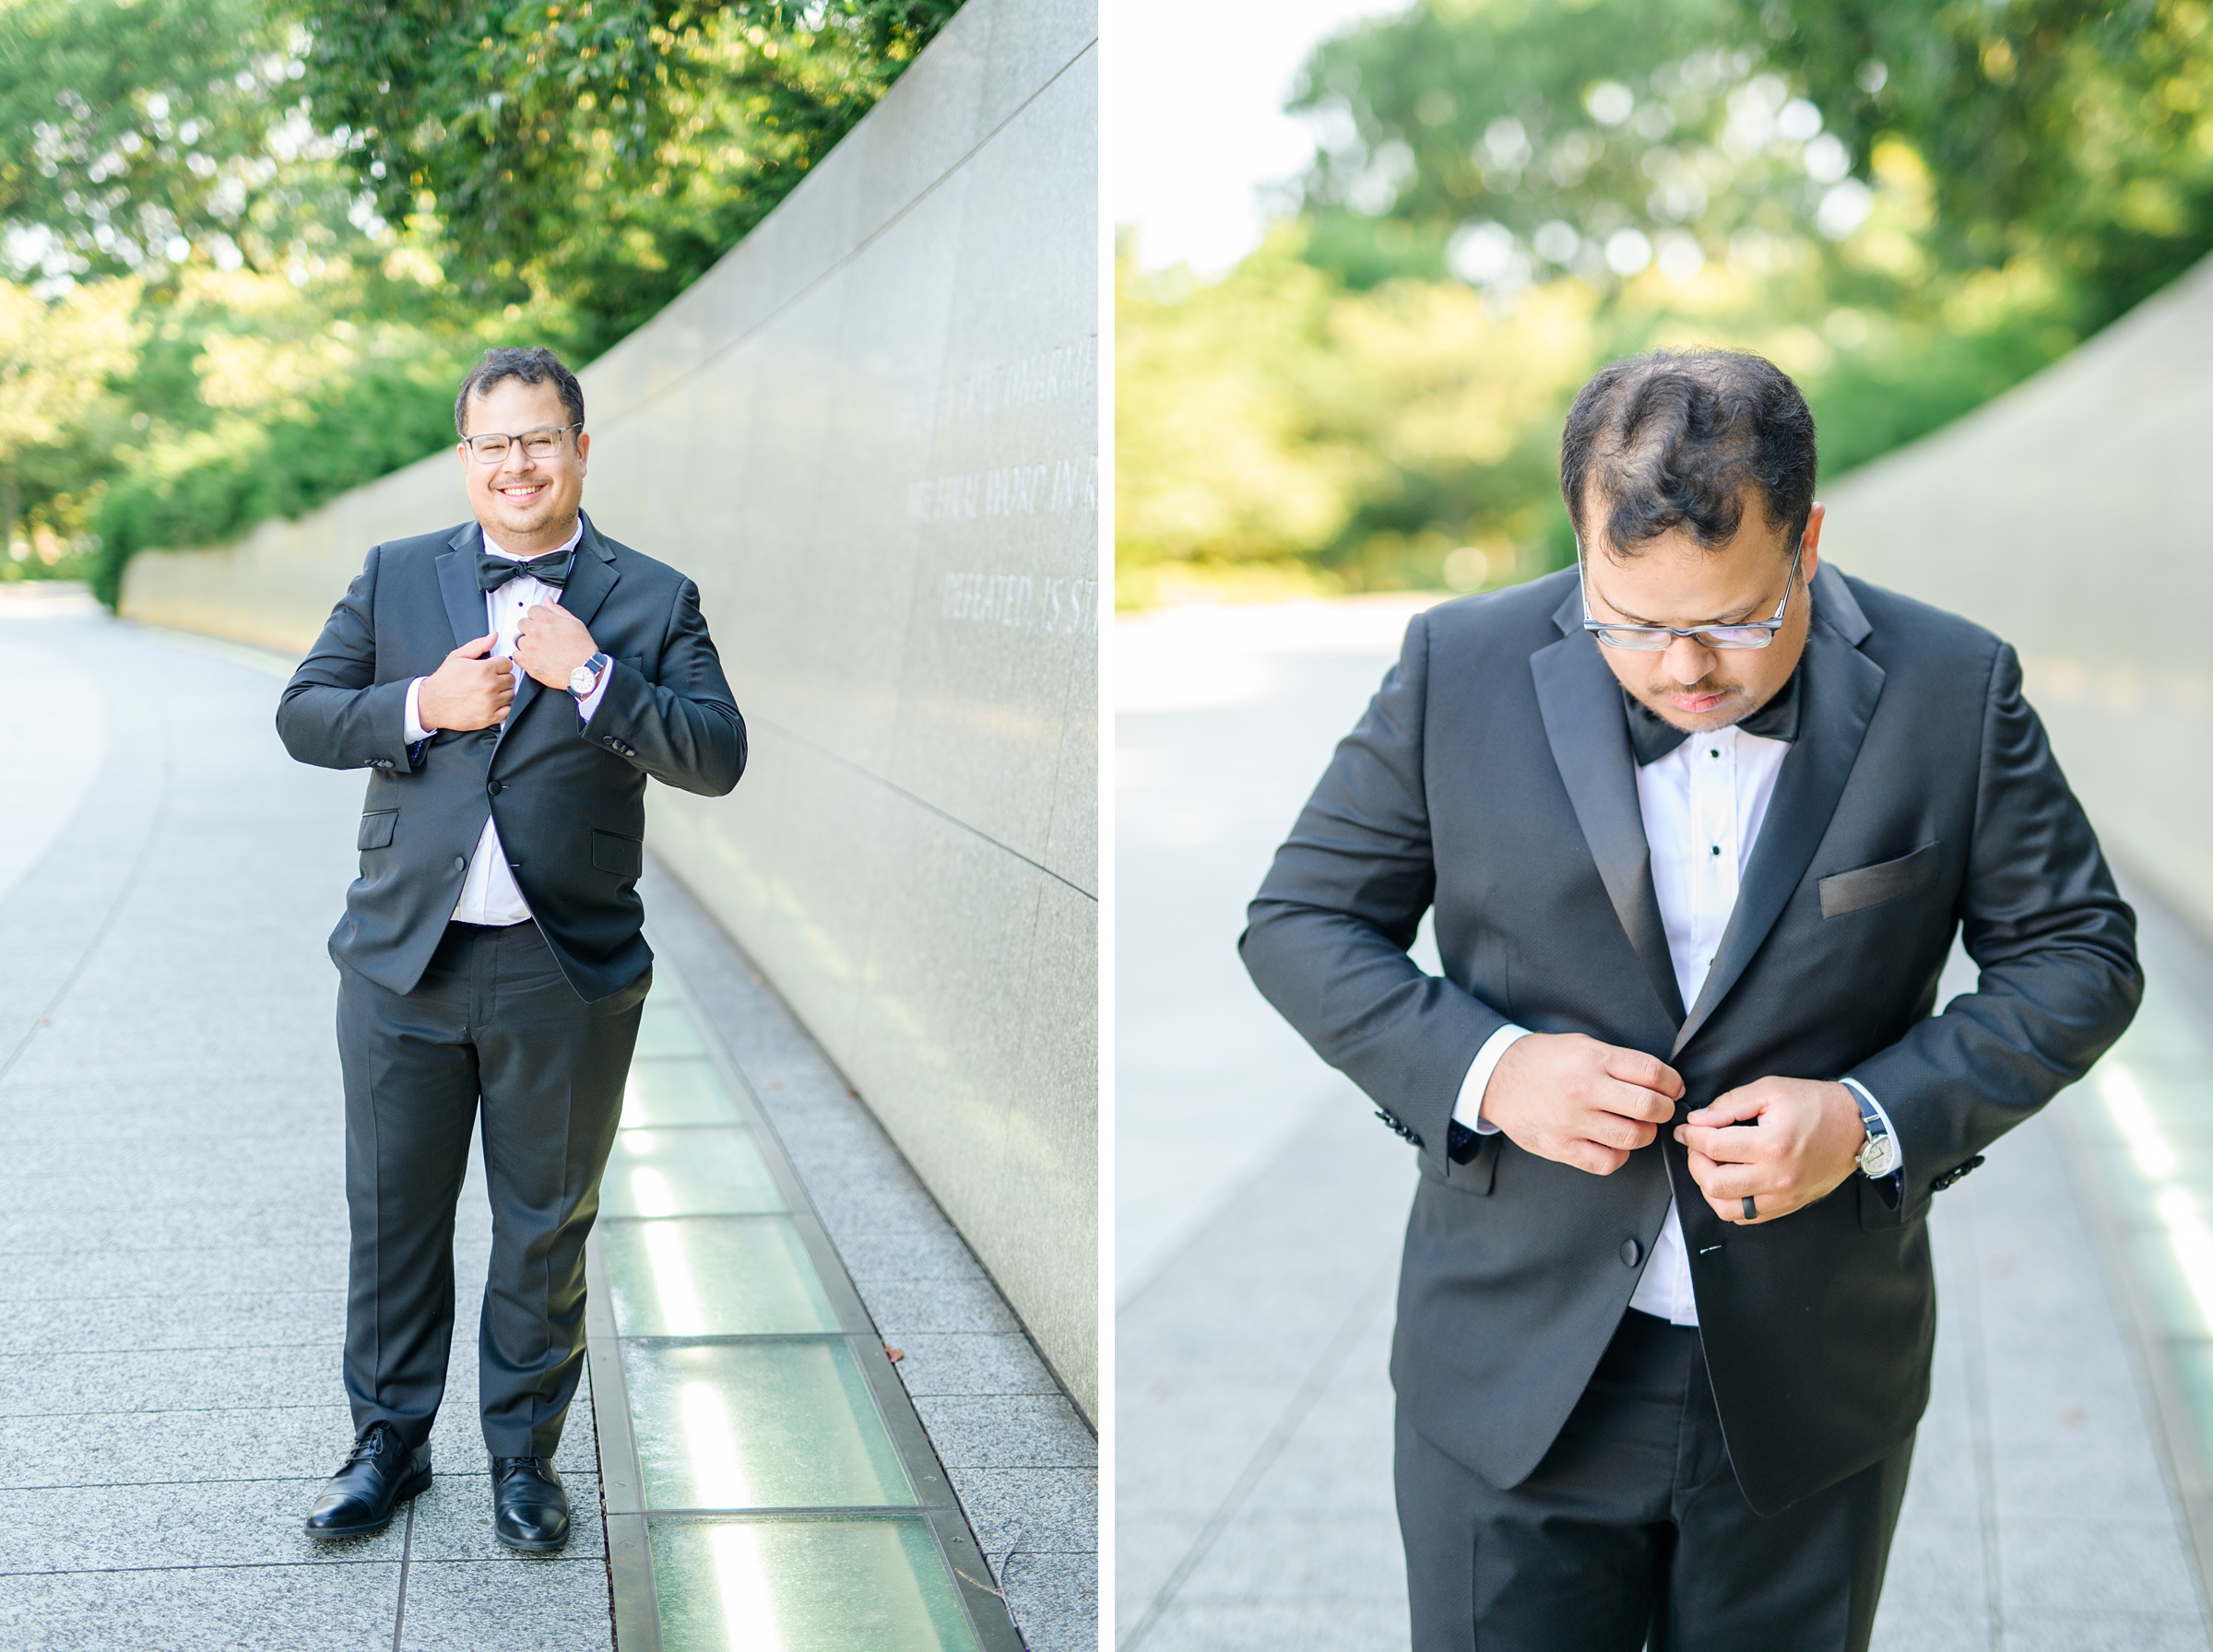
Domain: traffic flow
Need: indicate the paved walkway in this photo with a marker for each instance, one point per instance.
(172, 1253)
(1260, 1214)
(172, 1218)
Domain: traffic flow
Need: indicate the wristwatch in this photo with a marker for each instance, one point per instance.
(586, 677)
(1878, 1153)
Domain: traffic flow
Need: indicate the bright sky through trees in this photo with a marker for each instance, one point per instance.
(1196, 114)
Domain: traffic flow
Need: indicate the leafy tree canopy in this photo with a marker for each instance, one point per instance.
(605, 150)
(291, 223)
(2076, 132)
(1910, 205)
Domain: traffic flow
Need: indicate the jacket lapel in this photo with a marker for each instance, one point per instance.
(1839, 687)
(1580, 703)
(591, 576)
(465, 608)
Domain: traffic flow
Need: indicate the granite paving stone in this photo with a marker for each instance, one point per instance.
(229, 1319)
(203, 1609)
(168, 1379)
(1346, 1556)
(1038, 1510)
(515, 1604)
(1055, 1598)
(2066, 1562)
(930, 1256)
(109, 1448)
(1010, 1431)
(1938, 1626)
(910, 1308)
(983, 1362)
(453, 1519)
(2106, 1632)
(212, 1270)
(172, 1219)
(1269, 1624)
(211, 1523)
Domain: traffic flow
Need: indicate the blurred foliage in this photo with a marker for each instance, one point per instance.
(1909, 207)
(1276, 422)
(298, 222)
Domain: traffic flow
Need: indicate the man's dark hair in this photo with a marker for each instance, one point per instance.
(533, 366)
(1672, 438)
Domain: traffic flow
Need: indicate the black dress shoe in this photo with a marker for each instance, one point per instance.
(378, 1475)
(530, 1508)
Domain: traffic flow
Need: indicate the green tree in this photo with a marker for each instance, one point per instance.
(2078, 133)
(56, 358)
(1911, 206)
(135, 130)
(330, 207)
(606, 151)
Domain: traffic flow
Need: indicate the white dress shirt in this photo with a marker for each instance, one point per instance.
(489, 894)
(1702, 806)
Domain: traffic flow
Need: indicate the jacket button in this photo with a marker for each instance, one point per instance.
(460, 863)
(1631, 1253)
(494, 788)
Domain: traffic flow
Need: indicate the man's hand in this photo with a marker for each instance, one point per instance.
(468, 691)
(1576, 1101)
(552, 643)
(1806, 1141)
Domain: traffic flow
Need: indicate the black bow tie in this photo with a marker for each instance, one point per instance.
(1653, 738)
(552, 569)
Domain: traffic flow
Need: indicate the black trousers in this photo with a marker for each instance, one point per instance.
(1633, 1531)
(493, 1024)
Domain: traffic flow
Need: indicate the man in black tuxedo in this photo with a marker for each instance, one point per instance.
(509, 685)
(1698, 819)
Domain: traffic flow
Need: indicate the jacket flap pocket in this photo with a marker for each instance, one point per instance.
(376, 829)
(611, 852)
(1885, 880)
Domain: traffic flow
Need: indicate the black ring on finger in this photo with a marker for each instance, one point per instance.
(1751, 1210)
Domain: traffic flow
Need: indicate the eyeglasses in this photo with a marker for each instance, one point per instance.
(1651, 638)
(542, 443)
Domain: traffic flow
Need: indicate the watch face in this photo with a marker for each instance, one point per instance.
(1879, 1157)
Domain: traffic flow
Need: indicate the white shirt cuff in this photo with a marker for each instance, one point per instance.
(415, 730)
(590, 702)
(1867, 1096)
(1468, 1110)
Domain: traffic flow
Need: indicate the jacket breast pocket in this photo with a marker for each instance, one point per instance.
(1885, 880)
(611, 852)
(376, 829)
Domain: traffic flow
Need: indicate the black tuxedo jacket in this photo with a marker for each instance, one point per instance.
(570, 801)
(1492, 778)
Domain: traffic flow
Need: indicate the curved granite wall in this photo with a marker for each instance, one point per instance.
(2069, 516)
(871, 434)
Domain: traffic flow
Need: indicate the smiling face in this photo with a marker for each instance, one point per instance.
(525, 505)
(1674, 579)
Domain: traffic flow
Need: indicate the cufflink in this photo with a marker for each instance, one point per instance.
(1953, 1175)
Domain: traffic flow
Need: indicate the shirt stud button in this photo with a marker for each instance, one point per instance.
(1717, 848)
(1632, 1253)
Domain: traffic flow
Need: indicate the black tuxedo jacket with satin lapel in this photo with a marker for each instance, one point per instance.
(1492, 778)
(569, 800)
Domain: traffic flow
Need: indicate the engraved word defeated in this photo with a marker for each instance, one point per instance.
(1024, 602)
